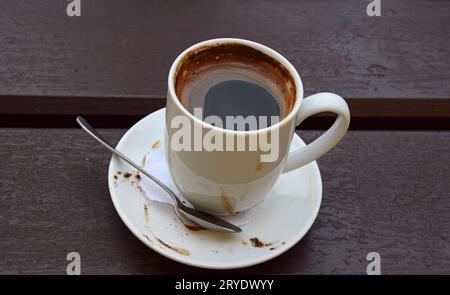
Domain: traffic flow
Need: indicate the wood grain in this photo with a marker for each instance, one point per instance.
(115, 57)
(47, 106)
(383, 191)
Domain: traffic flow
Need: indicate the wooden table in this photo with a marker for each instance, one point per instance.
(386, 186)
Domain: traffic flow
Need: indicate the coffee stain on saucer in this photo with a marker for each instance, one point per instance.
(257, 243)
(132, 178)
(116, 178)
(176, 249)
(147, 238)
(125, 175)
(173, 248)
(146, 213)
(156, 144)
(194, 227)
(191, 227)
(226, 202)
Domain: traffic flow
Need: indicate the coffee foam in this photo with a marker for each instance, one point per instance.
(197, 70)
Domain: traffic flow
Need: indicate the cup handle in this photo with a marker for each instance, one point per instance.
(314, 104)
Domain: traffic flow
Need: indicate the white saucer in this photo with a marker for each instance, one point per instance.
(281, 221)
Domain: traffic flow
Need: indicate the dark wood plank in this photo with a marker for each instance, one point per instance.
(123, 49)
(47, 106)
(383, 191)
(123, 112)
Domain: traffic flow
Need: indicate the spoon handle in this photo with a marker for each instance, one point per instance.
(92, 132)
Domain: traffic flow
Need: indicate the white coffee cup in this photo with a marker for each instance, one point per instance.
(227, 182)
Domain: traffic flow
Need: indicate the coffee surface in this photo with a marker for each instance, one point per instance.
(235, 80)
(240, 98)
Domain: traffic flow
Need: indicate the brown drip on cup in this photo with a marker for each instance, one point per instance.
(226, 53)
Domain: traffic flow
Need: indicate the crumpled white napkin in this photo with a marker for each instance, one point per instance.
(156, 164)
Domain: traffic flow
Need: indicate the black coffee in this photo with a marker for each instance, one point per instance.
(240, 98)
(235, 80)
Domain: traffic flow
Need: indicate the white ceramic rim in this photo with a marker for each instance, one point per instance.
(262, 48)
(186, 259)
